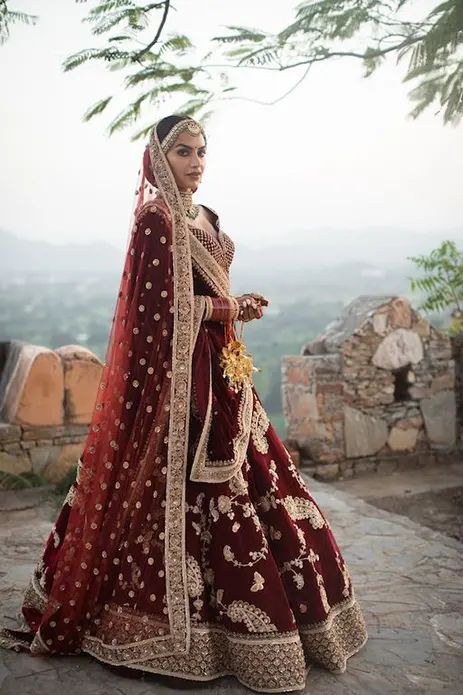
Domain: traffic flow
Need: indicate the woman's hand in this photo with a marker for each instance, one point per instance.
(251, 306)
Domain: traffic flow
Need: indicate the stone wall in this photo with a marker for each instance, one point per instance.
(48, 451)
(379, 395)
(46, 404)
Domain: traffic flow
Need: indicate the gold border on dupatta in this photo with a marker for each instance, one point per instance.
(203, 469)
(182, 351)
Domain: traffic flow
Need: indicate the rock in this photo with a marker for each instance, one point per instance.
(301, 414)
(42, 432)
(402, 440)
(14, 464)
(9, 433)
(400, 313)
(308, 467)
(13, 448)
(422, 327)
(297, 371)
(295, 455)
(418, 392)
(41, 397)
(82, 374)
(59, 467)
(327, 471)
(386, 466)
(346, 469)
(28, 444)
(315, 347)
(361, 467)
(413, 421)
(443, 382)
(364, 435)
(42, 456)
(399, 348)
(439, 413)
(380, 323)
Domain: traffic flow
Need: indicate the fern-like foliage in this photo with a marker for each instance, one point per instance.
(155, 64)
(9, 17)
(442, 283)
(133, 38)
(329, 29)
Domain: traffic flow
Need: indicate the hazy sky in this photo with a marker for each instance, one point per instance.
(339, 152)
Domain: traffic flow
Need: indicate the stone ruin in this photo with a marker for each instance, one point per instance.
(376, 391)
(379, 389)
(46, 404)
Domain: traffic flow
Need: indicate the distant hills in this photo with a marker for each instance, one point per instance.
(25, 255)
(329, 263)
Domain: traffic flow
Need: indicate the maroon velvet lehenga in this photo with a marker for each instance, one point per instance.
(189, 547)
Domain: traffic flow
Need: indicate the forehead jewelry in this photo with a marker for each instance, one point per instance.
(188, 125)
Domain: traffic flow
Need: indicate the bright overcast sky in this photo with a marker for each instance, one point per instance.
(339, 152)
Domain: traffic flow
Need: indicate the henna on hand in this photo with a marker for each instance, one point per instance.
(251, 306)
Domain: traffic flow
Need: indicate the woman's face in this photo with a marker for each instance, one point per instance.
(187, 159)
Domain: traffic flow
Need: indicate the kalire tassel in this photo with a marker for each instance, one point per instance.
(236, 364)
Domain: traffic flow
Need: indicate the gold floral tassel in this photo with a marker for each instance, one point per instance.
(236, 364)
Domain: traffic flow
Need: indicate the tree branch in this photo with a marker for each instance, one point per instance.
(352, 54)
(139, 55)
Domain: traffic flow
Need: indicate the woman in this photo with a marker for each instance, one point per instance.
(189, 545)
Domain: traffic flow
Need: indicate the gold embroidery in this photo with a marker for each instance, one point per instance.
(259, 426)
(222, 248)
(264, 661)
(345, 574)
(195, 580)
(334, 640)
(259, 581)
(255, 619)
(208, 268)
(182, 349)
(199, 311)
(302, 508)
(38, 645)
(210, 471)
(70, 497)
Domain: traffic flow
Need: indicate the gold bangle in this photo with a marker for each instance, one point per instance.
(209, 308)
(236, 312)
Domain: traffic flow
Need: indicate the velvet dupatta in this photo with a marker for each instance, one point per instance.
(122, 531)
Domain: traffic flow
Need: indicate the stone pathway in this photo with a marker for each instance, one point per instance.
(408, 579)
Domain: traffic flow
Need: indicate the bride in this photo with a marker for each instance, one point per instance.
(189, 544)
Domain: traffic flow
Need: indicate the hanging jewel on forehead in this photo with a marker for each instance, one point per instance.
(191, 209)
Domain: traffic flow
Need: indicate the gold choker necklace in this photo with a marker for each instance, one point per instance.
(191, 209)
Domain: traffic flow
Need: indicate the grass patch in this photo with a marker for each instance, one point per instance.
(11, 481)
(61, 489)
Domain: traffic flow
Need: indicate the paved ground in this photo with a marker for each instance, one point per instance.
(408, 578)
(431, 496)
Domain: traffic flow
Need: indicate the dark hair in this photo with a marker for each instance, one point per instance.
(166, 124)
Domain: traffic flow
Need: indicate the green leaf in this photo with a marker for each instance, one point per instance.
(99, 107)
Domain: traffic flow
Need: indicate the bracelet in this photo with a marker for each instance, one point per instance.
(209, 308)
(237, 309)
(220, 309)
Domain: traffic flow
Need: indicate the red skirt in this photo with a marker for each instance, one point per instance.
(268, 589)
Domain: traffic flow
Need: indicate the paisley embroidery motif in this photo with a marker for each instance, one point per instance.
(255, 619)
(195, 580)
(301, 508)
